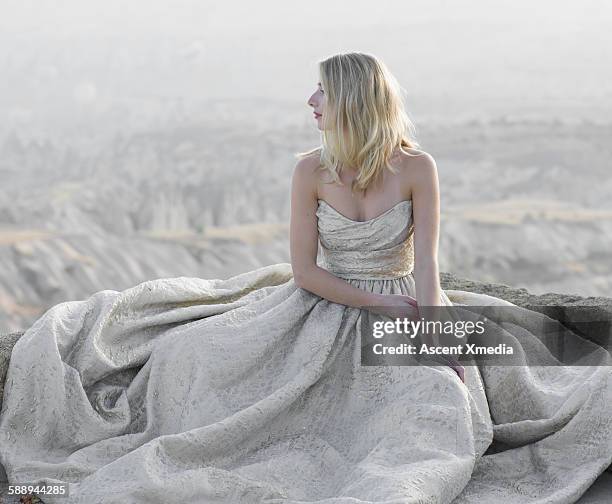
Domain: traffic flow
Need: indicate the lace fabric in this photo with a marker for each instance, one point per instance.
(251, 390)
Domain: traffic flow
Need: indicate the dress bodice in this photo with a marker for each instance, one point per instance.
(378, 248)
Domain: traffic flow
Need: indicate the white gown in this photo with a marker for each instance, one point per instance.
(250, 390)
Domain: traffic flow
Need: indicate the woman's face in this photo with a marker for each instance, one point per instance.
(317, 101)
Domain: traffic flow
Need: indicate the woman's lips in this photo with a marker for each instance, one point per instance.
(317, 115)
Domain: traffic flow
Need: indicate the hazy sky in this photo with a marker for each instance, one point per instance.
(457, 57)
(192, 17)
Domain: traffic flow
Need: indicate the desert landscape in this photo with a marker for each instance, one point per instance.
(194, 202)
(135, 149)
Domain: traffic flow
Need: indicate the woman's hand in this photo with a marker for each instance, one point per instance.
(453, 364)
(395, 306)
(458, 368)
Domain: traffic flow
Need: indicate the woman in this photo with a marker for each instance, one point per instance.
(367, 129)
(251, 389)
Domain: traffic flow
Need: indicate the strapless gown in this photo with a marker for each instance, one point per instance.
(250, 390)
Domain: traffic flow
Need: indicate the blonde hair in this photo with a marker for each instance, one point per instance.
(364, 119)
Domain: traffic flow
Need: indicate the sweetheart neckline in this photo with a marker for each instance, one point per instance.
(369, 220)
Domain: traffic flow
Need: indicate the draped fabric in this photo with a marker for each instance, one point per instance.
(250, 390)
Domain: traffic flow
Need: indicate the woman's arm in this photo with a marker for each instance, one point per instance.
(426, 215)
(304, 241)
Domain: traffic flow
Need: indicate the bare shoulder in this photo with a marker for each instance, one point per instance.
(416, 160)
(305, 174)
(308, 164)
(417, 167)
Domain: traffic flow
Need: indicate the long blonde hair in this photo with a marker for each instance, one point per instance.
(364, 119)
